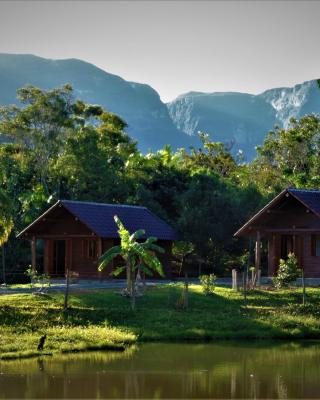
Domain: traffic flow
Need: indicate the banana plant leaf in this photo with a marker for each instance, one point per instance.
(149, 259)
(108, 256)
(137, 234)
(118, 271)
(145, 269)
(153, 247)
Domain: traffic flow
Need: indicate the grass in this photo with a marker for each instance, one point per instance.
(103, 319)
(24, 286)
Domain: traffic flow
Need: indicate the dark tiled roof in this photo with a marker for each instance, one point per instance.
(100, 218)
(309, 197)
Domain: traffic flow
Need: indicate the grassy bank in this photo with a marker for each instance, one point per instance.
(103, 320)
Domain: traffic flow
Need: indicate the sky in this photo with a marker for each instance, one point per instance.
(174, 46)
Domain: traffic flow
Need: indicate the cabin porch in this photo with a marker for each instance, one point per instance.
(305, 244)
(79, 256)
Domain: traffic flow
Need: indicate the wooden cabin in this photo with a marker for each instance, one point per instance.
(289, 223)
(76, 233)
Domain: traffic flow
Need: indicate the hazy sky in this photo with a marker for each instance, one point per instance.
(176, 46)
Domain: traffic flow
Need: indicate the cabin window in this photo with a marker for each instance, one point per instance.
(89, 248)
(315, 245)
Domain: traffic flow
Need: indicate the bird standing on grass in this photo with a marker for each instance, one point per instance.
(41, 342)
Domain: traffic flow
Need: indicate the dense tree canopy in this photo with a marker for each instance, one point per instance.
(61, 147)
(292, 155)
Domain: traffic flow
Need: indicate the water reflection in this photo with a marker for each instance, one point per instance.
(225, 370)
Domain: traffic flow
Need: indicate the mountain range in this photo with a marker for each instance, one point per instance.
(239, 119)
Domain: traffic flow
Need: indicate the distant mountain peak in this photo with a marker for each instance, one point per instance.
(138, 104)
(241, 118)
(288, 102)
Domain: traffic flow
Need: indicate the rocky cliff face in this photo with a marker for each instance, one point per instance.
(236, 118)
(139, 105)
(240, 119)
(243, 119)
(293, 102)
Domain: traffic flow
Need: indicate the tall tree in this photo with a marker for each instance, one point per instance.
(210, 158)
(291, 156)
(6, 225)
(41, 125)
(6, 218)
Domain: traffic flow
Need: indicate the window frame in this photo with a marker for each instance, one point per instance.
(315, 246)
(89, 249)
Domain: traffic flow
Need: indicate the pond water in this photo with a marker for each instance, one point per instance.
(224, 370)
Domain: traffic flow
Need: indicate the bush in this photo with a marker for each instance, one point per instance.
(208, 283)
(288, 272)
(37, 278)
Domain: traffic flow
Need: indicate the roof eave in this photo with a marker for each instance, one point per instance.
(63, 203)
(38, 219)
(240, 232)
(59, 203)
(302, 202)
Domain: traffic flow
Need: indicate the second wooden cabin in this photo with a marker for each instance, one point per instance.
(290, 223)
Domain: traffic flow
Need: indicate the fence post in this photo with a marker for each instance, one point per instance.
(234, 279)
(34, 253)
(3, 265)
(259, 277)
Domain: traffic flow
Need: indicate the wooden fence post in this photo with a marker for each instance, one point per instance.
(234, 279)
(99, 254)
(257, 259)
(33, 253)
(259, 277)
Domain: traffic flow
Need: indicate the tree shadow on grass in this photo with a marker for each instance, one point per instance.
(157, 318)
(222, 315)
(264, 298)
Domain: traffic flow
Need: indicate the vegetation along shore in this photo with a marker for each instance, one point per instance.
(104, 319)
(58, 147)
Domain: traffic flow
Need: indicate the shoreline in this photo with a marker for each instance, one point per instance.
(102, 320)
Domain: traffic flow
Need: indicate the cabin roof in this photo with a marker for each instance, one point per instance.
(99, 217)
(310, 198)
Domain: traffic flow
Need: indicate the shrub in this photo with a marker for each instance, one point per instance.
(288, 272)
(208, 283)
(32, 274)
(36, 277)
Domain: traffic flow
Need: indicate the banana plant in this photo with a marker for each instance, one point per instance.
(136, 255)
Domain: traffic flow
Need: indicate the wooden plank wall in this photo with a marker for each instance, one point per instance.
(87, 268)
(311, 263)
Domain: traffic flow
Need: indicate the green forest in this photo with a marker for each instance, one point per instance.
(58, 147)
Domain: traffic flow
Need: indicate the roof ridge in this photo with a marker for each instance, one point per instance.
(102, 204)
(303, 190)
(99, 218)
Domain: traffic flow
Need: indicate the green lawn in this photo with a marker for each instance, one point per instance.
(103, 319)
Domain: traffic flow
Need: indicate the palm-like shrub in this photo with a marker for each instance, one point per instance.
(137, 255)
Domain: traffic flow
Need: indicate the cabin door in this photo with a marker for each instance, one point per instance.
(59, 257)
(286, 246)
(292, 244)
